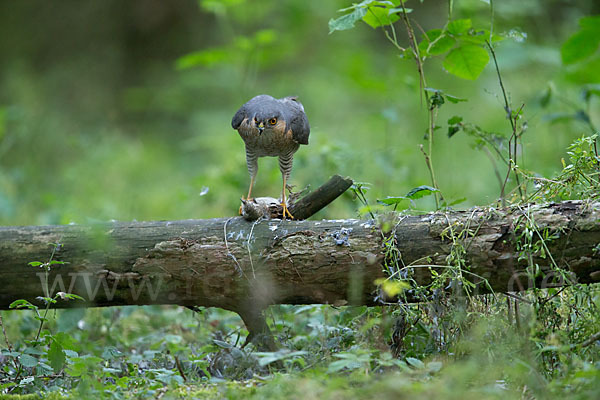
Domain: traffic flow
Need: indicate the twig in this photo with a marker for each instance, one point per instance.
(4, 333)
(179, 368)
(514, 296)
(590, 340)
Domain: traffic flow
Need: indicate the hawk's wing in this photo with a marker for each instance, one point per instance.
(297, 120)
(239, 116)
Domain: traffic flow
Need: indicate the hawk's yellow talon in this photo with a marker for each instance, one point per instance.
(286, 212)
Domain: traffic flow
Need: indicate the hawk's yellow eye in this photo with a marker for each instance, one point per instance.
(272, 121)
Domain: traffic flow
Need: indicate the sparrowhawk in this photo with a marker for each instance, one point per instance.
(272, 127)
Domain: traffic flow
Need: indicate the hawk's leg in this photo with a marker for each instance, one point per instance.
(250, 189)
(285, 166)
(252, 164)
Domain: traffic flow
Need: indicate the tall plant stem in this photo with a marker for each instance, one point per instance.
(431, 110)
(512, 143)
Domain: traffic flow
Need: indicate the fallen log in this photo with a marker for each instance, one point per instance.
(245, 266)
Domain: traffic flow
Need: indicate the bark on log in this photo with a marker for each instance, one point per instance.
(243, 266)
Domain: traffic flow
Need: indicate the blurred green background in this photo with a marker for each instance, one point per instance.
(121, 110)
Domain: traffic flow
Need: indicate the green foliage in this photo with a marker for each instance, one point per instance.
(347, 21)
(584, 43)
(375, 13)
(580, 52)
(467, 61)
(580, 178)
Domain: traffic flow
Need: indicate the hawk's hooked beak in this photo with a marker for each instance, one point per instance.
(261, 127)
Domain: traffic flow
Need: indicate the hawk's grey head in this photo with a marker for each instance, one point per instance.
(267, 112)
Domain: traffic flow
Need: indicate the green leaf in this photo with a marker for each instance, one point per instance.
(590, 23)
(77, 368)
(579, 46)
(467, 61)
(56, 356)
(35, 263)
(457, 201)
(66, 341)
(434, 366)
(454, 99)
(112, 371)
(421, 191)
(81, 365)
(341, 364)
(28, 361)
(453, 129)
(377, 15)
(266, 358)
(585, 72)
(415, 362)
(110, 353)
(222, 344)
(346, 21)
(26, 381)
(399, 203)
(22, 304)
(390, 201)
(362, 4)
(205, 58)
(547, 95)
(442, 45)
(459, 26)
(392, 287)
(34, 351)
(436, 42)
(455, 120)
(71, 353)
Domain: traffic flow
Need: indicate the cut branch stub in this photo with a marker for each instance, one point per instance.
(302, 208)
